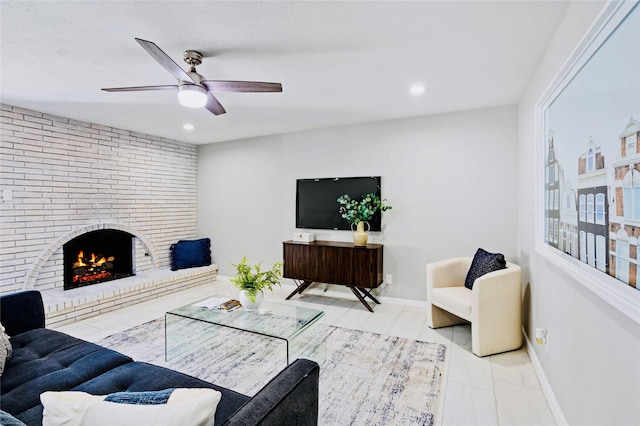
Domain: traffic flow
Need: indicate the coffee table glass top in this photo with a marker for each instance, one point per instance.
(283, 321)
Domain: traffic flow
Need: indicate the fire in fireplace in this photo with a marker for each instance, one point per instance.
(94, 268)
(96, 257)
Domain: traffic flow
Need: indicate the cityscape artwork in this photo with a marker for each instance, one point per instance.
(592, 158)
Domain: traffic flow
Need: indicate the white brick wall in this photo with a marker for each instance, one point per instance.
(58, 175)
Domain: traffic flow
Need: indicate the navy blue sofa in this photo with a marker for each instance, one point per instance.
(46, 359)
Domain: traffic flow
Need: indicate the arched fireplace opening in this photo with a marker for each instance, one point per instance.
(96, 257)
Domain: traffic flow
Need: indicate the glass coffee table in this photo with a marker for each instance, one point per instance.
(298, 328)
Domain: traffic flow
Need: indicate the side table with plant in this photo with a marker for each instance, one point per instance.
(360, 213)
(252, 281)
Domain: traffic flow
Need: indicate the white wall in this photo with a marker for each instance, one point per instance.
(450, 178)
(592, 359)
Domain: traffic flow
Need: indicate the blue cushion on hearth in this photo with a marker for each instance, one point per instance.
(190, 254)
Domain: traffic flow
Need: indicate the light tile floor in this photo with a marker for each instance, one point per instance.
(495, 390)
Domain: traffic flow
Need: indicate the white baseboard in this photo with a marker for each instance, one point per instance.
(328, 290)
(556, 410)
(342, 292)
(405, 302)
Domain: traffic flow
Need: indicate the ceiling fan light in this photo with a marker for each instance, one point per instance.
(192, 96)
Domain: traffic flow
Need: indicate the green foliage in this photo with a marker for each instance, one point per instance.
(361, 211)
(253, 279)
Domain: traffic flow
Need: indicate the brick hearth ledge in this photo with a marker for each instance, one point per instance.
(67, 306)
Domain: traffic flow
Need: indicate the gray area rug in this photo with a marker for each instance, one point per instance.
(367, 378)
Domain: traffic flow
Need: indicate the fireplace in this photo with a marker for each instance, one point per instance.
(96, 257)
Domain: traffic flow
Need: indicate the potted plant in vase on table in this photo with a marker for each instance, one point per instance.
(252, 281)
(360, 213)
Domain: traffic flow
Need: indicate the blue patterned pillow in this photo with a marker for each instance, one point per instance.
(483, 263)
(141, 398)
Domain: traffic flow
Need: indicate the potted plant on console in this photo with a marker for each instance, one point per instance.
(360, 213)
(252, 281)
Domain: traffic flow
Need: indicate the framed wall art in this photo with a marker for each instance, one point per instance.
(589, 161)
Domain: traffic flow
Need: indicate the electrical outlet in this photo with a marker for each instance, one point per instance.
(388, 278)
(541, 336)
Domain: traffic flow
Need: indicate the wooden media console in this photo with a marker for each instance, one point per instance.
(332, 262)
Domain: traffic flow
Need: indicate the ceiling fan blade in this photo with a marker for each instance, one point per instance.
(213, 105)
(140, 88)
(164, 60)
(242, 86)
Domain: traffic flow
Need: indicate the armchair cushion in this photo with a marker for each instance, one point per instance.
(456, 300)
(483, 263)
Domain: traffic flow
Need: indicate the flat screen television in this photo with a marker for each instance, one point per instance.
(317, 206)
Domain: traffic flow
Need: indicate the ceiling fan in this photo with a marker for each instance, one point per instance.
(193, 90)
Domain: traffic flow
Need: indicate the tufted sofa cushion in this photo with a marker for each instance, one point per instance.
(49, 360)
(140, 376)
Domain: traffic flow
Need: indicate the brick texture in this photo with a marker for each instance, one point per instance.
(59, 176)
(64, 307)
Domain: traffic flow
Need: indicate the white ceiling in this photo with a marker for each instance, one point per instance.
(339, 62)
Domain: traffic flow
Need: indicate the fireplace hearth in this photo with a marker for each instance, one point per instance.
(96, 257)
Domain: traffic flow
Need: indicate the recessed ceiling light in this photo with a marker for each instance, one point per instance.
(417, 89)
(188, 126)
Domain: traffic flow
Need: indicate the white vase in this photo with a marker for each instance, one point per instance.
(246, 302)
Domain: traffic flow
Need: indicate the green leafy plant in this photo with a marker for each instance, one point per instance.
(361, 211)
(253, 279)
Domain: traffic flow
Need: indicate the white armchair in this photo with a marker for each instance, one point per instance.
(493, 306)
